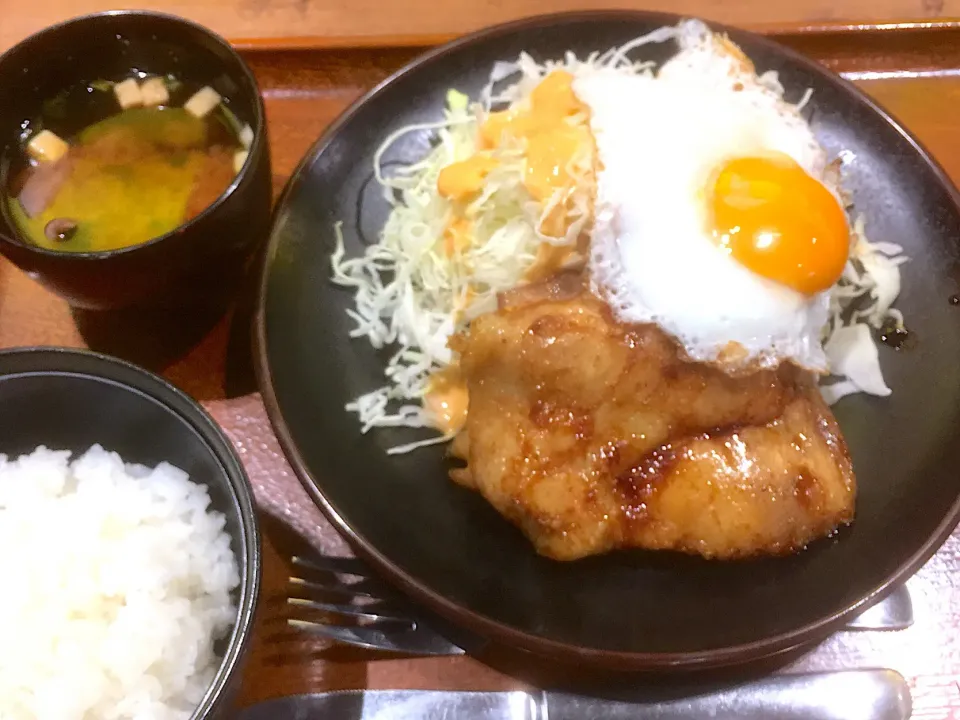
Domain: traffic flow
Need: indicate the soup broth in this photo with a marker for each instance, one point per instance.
(139, 173)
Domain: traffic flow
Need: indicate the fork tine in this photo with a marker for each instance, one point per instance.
(411, 642)
(342, 565)
(362, 588)
(384, 624)
(359, 612)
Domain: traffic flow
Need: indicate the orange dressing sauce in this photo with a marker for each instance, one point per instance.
(554, 130)
(457, 237)
(446, 401)
(459, 180)
(550, 259)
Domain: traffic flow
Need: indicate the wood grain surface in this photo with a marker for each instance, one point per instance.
(339, 23)
(910, 71)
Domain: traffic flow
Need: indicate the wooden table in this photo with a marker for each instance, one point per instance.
(906, 68)
(380, 23)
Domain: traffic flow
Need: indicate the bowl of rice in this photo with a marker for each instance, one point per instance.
(129, 546)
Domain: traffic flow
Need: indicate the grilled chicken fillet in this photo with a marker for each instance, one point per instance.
(591, 435)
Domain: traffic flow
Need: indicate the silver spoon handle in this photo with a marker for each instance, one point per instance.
(845, 695)
(894, 612)
(842, 695)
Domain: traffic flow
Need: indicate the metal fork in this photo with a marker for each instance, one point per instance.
(363, 611)
(367, 613)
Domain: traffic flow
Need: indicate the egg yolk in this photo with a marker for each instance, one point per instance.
(779, 222)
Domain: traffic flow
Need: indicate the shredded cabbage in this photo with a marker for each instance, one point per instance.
(408, 292)
(862, 299)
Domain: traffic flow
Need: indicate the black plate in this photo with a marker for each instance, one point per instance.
(449, 549)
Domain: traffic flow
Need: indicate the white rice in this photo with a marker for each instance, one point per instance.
(115, 581)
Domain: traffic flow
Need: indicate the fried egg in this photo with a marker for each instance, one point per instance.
(717, 215)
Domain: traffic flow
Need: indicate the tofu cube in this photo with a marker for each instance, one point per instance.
(239, 160)
(202, 102)
(47, 146)
(128, 93)
(246, 136)
(153, 91)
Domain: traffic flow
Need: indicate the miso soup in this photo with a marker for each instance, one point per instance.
(146, 167)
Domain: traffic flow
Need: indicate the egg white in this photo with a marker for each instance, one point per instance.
(659, 139)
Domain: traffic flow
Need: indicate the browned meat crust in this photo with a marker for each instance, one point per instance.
(590, 435)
